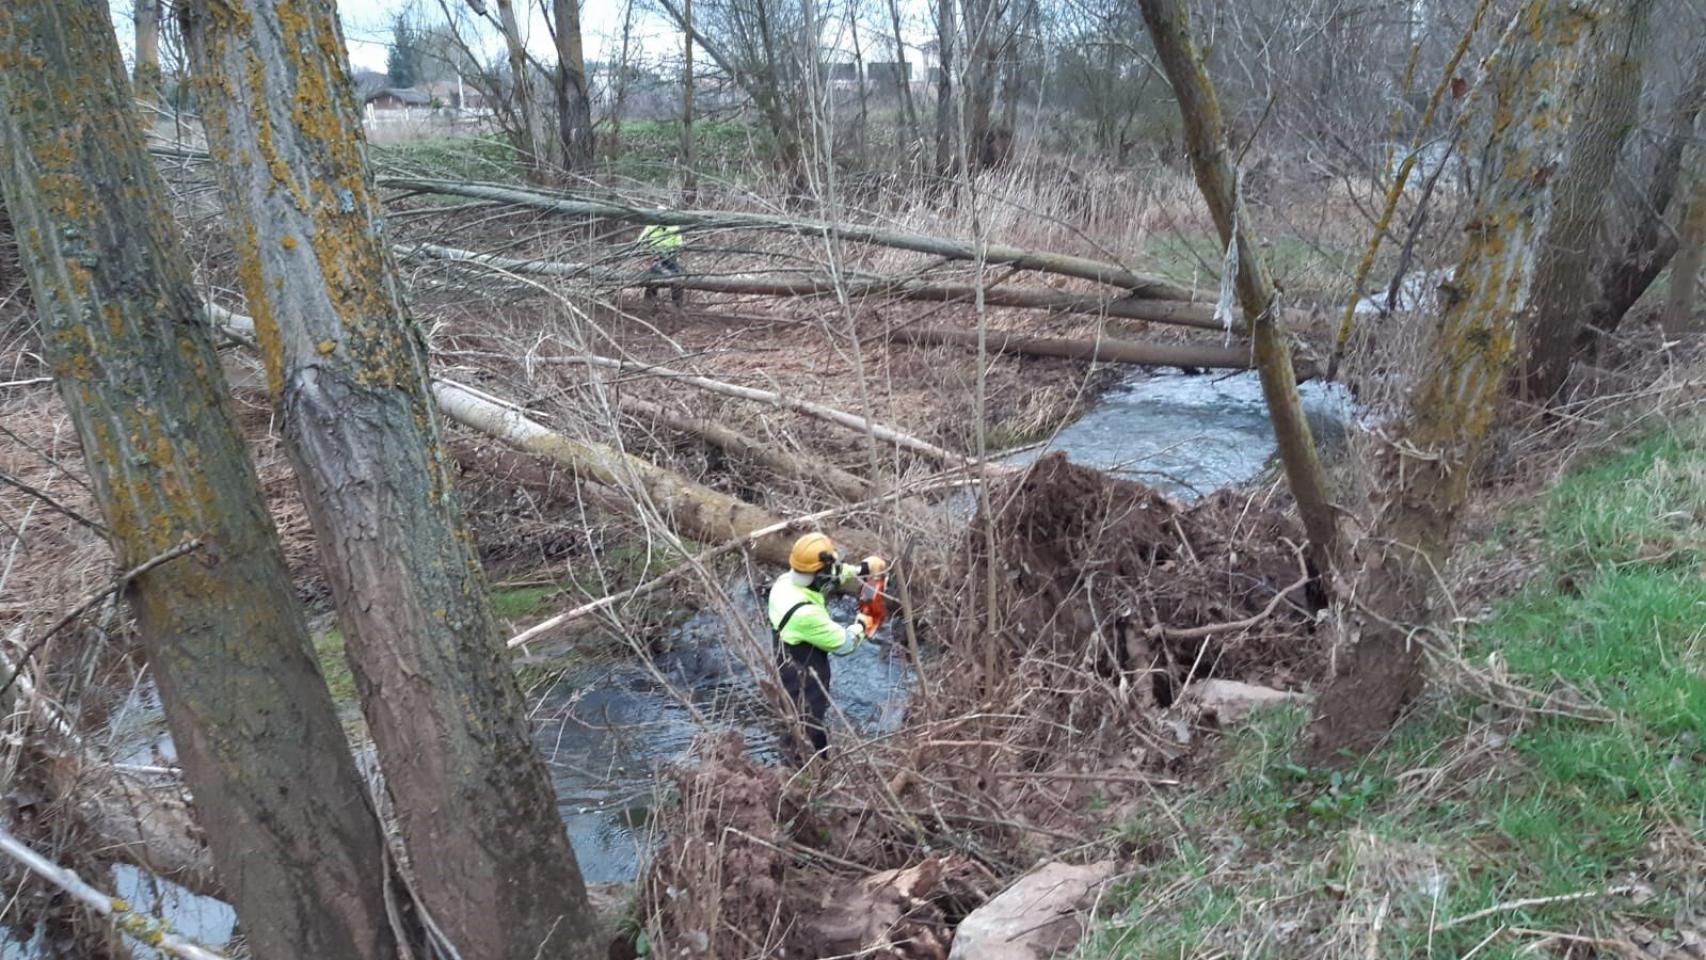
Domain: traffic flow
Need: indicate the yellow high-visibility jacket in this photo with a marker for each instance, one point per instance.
(809, 622)
(663, 239)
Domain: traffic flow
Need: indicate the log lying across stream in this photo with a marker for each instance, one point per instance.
(1210, 355)
(806, 471)
(1174, 312)
(1067, 265)
(692, 509)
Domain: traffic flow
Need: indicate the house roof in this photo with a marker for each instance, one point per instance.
(409, 96)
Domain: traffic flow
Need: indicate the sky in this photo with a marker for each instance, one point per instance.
(367, 29)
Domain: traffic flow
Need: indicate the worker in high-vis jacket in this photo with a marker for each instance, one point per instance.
(806, 637)
(663, 246)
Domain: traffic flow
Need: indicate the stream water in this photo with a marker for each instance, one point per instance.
(1188, 434)
(606, 732)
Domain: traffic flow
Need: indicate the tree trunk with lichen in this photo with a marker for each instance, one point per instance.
(1685, 272)
(347, 369)
(1563, 281)
(1427, 469)
(1217, 178)
(574, 106)
(295, 842)
(147, 74)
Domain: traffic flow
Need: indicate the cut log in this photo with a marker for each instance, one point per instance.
(697, 511)
(1038, 916)
(1173, 312)
(1139, 353)
(1066, 265)
(549, 481)
(816, 473)
(145, 826)
(886, 434)
(692, 509)
(693, 564)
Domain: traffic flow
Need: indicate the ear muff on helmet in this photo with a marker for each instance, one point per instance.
(826, 578)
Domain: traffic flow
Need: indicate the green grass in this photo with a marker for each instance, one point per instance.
(516, 603)
(329, 650)
(488, 158)
(721, 147)
(1303, 270)
(1472, 805)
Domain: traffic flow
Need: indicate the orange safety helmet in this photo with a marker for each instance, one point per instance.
(812, 553)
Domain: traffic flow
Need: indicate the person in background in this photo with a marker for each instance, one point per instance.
(663, 247)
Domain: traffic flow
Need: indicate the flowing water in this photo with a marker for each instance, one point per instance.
(607, 732)
(1188, 434)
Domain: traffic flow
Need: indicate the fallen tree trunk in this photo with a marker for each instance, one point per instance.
(1235, 357)
(1174, 312)
(137, 824)
(823, 474)
(852, 421)
(697, 562)
(1066, 265)
(550, 481)
(697, 511)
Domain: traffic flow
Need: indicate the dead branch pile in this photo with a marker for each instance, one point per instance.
(738, 876)
(1124, 588)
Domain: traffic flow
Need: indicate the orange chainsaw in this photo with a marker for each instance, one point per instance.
(873, 596)
(872, 603)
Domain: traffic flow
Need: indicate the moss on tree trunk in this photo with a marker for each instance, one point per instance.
(348, 373)
(296, 845)
(1425, 472)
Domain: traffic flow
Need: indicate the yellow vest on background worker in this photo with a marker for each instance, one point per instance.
(662, 238)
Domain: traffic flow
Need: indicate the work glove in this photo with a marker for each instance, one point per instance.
(866, 625)
(873, 566)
